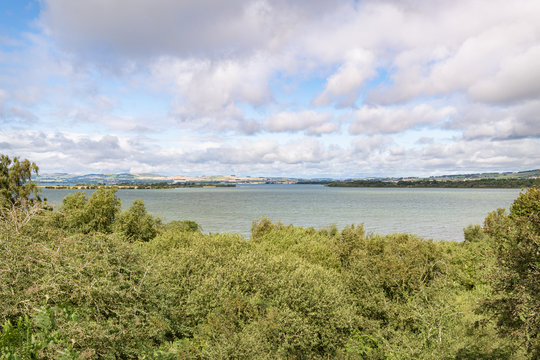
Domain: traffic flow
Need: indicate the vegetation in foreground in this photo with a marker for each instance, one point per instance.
(89, 281)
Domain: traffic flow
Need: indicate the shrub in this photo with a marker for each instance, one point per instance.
(135, 224)
(96, 213)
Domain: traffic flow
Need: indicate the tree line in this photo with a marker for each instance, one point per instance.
(138, 185)
(424, 183)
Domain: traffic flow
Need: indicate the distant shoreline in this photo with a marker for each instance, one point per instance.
(460, 184)
(133, 186)
(416, 183)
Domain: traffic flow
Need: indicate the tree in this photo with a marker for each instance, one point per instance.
(19, 196)
(16, 187)
(515, 279)
(74, 212)
(98, 213)
(136, 224)
(102, 208)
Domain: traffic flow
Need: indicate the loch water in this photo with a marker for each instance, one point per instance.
(440, 214)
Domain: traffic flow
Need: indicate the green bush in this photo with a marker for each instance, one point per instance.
(96, 213)
(516, 271)
(135, 224)
(92, 282)
(37, 336)
(236, 301)
(101, 278)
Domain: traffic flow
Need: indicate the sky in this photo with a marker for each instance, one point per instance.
(302, 88)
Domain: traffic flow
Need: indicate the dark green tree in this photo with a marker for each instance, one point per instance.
(136, 224)
(75, 216)
(102, 209)
(96, 213)
(516, 277)
(16, 187)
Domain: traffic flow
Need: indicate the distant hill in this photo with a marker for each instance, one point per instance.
(108, 179)
(484, 180)
(528, 174)
(62, 179)
(74, 179)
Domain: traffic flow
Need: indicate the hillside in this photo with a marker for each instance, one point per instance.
(434, 181)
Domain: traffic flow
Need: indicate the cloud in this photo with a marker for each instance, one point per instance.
(70, 151)
(311, 122)
(263, 152)
(345, 84)
(518, 78)
(212, 90)
(425, 140)
(15, 113)
(176, 28)
(512, 122)
(3, 96)
(62, 151)
(372, 120)
(369, 145)
(481, 154)
(437, 58)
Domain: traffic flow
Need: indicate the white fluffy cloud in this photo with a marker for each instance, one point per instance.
(482, 121)
(264, 152)
(517, 78)
(345, 84)
(371, 120)
(311, 122)
(441, 57)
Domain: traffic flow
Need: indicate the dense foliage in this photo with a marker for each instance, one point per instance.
(89, 281)
(516, 279)
(15, 185)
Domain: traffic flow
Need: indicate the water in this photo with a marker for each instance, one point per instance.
(440, 214)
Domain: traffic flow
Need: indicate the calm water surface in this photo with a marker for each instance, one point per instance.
(440, 214)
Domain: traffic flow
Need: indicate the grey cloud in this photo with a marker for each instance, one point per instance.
(139, 27)
(509, 122)
(21, 113)
(3, 97)
(75, 151)
(376, 155)
(485, 155)
(481, 155)
(12, 112)
(425, 140)
(517, 79)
